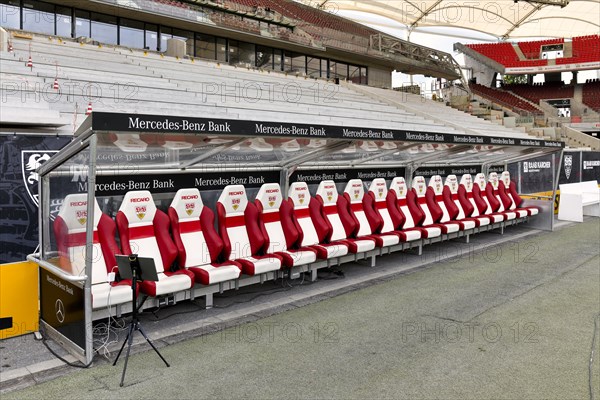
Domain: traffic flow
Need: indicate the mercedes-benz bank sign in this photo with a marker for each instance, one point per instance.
(62, 307)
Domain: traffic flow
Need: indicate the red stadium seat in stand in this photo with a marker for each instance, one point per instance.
(450, 194)
(306, 219)
(470, 204)
(514, 200)
(144, 230)
(494, 193)
(419, 191)
(384, 205)
(70, 232)
(407, 214)
(341, 224)
(238, 226)
(277, 227)
(437, 206)
(354, 194)
(197, 241)
(484, 202)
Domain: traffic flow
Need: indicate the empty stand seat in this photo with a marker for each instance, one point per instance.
(452, 203)
(278, 229)
(437, 206)
(144, 230)
(366, 220)
(238, 227)
(340, 222)
(406, 214)
(306, 219)
(512, 197)
(472, 205)
(70, 232)
(197, 241)
(493, 191)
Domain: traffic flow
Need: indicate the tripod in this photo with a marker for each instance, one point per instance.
(134, 265)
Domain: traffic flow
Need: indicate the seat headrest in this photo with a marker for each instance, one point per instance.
(234, 199)
(398, 186)
(379, 189)
(493, 178)
(435, 182)
(418, 184)
(74, 212)
(270, 197)
(480, 181)
(467, 181)
(187, 203)
(505, 177)
(299, 194)
(138, 206)
(355, 190)
(452, 183)
(328, 192)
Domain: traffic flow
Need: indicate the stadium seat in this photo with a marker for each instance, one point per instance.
(144, 230)
(452, 203)
(419, 191)
(493, 192)
(274, 215)
(198, 244)
(354, 195)
(340, 222)
(70, 232)
(377, 200)
(238, 226)
(512, 200)
(437, 206)
(470, 204)
(306, 219)
(484, 202)
(407, 214)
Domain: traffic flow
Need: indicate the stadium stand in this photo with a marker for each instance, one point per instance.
(591, 94)
(536, 92)
(506, 99)
(533, 49)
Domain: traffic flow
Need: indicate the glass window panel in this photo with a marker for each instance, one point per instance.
(341, 70)
(299, 63)
(354, 74)
(63, 21)
(10, 15)
(82, 23)
(38, 17)
(264, 57)
(278, 60)
(104, 28)
(131, 33)
(151, 37)
(165, 34)
(247, 54)
(206, 46)
(233, 52)
(221, 50)
(188, 38)
(314, 67)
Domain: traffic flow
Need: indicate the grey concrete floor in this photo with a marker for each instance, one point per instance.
(514, 321)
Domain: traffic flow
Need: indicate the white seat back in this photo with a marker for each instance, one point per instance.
(436, 183)
(480, 181)
(234, 202)
(328, 193)
(494, 181)
(300, 197)
(418, 184)
(398, 186)
(452, 184)
(270, 198)
(356, 193)
(505, 180)
(379, 189)
(467, 182)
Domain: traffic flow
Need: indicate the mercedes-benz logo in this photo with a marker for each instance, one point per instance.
(59, 307)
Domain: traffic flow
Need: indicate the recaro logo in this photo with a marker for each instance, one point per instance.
(329, 186)
(301, 188)
(380, 184)
(78, 203)
(236, 193)
(272, 190)
(356, 185)
(140, 199)
(189, 197)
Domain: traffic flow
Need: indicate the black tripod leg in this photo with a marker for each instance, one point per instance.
(129, 342)
(129, 333)
(152, 344)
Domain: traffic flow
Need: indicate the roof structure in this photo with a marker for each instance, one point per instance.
(503, 19)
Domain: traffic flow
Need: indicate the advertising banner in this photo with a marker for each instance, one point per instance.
(570, 171)
(590, 166)
(315, 176)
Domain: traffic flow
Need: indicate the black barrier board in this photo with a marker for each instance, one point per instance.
(312, 176)
(570, 171)
(111, 185)
(590, 166)
(62, 307)
(458, 170)
(141, 123)
(19, 157)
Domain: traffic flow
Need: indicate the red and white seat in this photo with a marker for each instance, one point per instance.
(306, 220)
(384, 204)
(354, 194)
(469, 202)
(198, 244)
(242, 238)
(513, 201)
(450, 194)
(339, 220)
(409, 215)
(144, 230)
(437, 206)
(274, 213)
(419, 191)
(484, 201)
(492, 190)
(70, 232)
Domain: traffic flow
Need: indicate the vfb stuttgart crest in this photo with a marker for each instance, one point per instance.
(301, 197)
(189, 208)
(329, 195)
(235, 204)
(380, 192)
(31, 160)
(140, 211)
(82, 216)
(568, 165)
(272, 200)
(356, 193)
